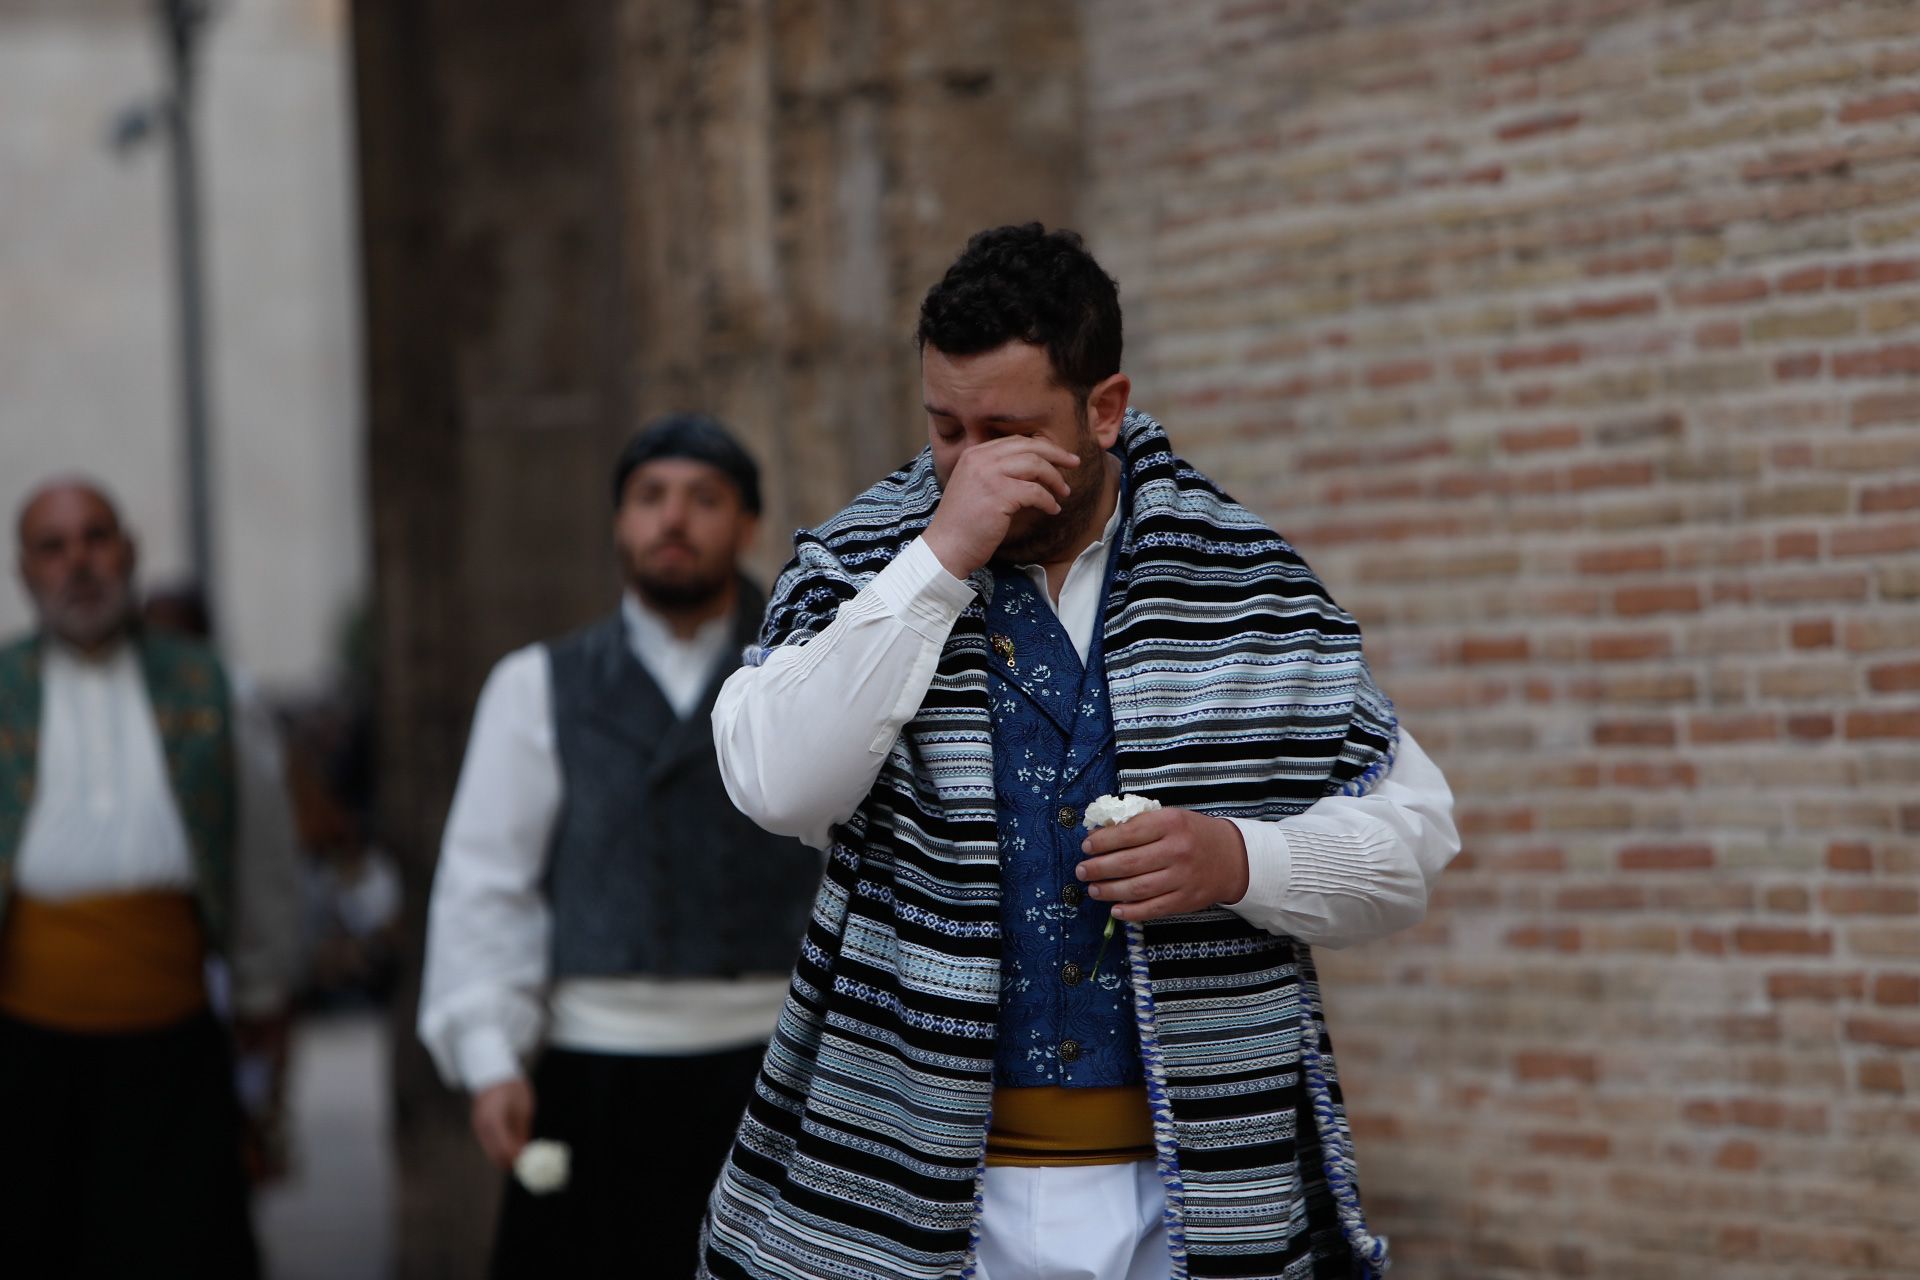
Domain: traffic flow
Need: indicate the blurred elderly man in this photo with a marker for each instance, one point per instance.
(599, 903)
(130, 888)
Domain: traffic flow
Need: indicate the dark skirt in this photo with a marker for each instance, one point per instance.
(124, 1155)
(648, 1136)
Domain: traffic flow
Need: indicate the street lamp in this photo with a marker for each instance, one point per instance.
(182, 23)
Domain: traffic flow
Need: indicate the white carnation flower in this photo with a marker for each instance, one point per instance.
(1110, 811)
(543, 1166)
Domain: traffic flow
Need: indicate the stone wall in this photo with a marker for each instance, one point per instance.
(1575, 345)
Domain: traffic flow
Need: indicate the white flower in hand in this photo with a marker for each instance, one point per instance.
(543, 1166)
(1111, 811)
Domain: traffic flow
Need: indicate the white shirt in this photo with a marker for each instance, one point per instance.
(104, 818)
(801, 739)
(486, 1000)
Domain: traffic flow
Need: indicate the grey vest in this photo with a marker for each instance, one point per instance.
(652, 870)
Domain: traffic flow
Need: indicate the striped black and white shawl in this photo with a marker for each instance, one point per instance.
(1238, 688)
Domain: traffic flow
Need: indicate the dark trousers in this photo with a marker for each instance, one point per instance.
(648, 1136)
(123, 1155)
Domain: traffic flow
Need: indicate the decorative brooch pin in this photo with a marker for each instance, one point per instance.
(1003, 645)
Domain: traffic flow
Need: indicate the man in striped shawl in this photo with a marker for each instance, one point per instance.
(1044, 607)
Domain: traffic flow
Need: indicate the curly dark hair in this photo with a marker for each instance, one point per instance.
(1028, 284)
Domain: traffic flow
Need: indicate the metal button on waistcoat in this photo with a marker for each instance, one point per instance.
(1070, 973)
(1071, 894)
(1069, 1050)
(1069, 816)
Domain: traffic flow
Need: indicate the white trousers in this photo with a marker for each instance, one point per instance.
(1100, 1222)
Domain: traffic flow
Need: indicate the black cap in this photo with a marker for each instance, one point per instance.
(690, 435)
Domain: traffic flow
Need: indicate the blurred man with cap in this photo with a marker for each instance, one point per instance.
(138, 859)
(600, 905)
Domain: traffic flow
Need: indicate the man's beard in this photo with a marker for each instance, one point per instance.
(677, 594)
(1052, 535)
(690, 588)
(86, 623)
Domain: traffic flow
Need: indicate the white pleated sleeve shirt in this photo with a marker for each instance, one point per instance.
(801, 739)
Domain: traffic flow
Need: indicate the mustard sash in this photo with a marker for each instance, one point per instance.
(1038, 1128)
(112, 963)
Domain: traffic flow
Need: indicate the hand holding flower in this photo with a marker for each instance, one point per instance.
(1165, 862)
(503, 1119)
(1111, 811)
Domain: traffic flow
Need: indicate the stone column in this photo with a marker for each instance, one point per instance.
(493, 239)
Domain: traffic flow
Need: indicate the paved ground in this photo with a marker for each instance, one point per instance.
(332, 1219)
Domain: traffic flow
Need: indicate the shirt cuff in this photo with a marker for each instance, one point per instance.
(917, 589)
(485, 1057)
(1269, 865)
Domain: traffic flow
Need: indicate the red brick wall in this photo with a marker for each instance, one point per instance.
(1578, 346)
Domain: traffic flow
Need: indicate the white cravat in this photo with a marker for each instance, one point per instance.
(103, 818)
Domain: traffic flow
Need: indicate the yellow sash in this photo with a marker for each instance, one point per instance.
(116, 962)
(1037, 1128)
